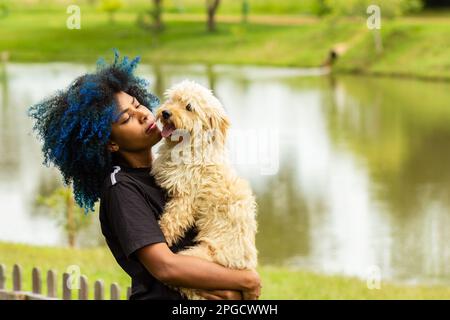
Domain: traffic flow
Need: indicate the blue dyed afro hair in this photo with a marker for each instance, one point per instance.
(75, 125)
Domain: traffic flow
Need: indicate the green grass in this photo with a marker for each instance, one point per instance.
(416, 46)
(278, 283)
(412, 47)
(44, 37)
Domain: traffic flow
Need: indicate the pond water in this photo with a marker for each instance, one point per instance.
(350, 173)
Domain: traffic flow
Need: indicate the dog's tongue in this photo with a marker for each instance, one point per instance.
(167, 130)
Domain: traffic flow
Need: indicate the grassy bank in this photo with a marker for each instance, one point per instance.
(278, 283)
(413, 46)
(43, 36)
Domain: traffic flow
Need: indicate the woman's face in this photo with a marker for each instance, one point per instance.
(135, 127)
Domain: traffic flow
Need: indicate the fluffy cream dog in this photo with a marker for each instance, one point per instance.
(203, 188)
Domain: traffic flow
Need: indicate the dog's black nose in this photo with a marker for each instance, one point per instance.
(166, 114)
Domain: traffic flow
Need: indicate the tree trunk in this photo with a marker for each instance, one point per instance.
(245, 11)
(157, 21)
(211, 6)
(70, 220)
(378, 41)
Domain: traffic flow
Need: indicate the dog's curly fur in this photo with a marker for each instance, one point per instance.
(204, 191)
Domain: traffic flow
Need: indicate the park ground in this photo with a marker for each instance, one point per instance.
(278, 282)
(413, 46)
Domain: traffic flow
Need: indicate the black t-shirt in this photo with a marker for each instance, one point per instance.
(130, 206)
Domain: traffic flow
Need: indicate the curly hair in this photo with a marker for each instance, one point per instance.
(75, 124)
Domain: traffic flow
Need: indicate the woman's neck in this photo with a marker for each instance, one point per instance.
(136, 159)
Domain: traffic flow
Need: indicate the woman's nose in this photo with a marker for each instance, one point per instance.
(144, 115)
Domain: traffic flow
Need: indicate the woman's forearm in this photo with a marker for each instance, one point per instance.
(193, 272)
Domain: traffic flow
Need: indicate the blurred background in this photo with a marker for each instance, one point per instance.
(347, 106)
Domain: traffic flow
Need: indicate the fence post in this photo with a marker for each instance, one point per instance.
(128, 293)
(51, 284)
(17, 278)
(115, 291)
(67, 293)
(84, 289)
(98, 290)
(2, 277)
(36, 280)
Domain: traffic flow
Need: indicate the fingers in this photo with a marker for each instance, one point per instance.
(208, 296)
(227, 294)
(250, 296)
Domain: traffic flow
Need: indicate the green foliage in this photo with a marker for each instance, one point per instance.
(68, 214)
(4, 9)
(111, 7)
(389, 8)
(321, 7)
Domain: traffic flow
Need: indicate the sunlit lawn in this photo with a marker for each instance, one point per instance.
(278, 283)
(412, 46)
(45, 37)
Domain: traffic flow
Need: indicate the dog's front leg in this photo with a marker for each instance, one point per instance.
(176, 219)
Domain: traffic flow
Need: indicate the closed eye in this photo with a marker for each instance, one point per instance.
(135, 100)
(127, 120)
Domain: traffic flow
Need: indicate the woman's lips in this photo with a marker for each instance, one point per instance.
(151, 127)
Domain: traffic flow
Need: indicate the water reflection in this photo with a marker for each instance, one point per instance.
(358, 165)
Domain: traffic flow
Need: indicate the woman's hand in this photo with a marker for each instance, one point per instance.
(253, 286)
(252, 290)
(220, 294)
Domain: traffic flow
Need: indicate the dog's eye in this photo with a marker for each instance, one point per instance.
(188, 107)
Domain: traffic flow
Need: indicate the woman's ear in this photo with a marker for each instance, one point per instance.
(112, 146)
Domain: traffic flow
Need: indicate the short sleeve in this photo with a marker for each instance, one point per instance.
(132, 220)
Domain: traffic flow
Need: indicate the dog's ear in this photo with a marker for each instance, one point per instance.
(220, 122)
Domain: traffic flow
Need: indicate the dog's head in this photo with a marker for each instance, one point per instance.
(192, 107)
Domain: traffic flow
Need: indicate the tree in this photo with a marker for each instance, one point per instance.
(436, 3)
(62, 205)
(211, 7)
(245, 11)
(321, 7)
(156, 14)
(4, 9)
(151, 19)
(111, 7)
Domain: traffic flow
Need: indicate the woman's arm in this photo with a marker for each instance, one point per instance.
(192, 272)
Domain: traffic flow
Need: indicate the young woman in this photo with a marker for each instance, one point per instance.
(99, 133)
